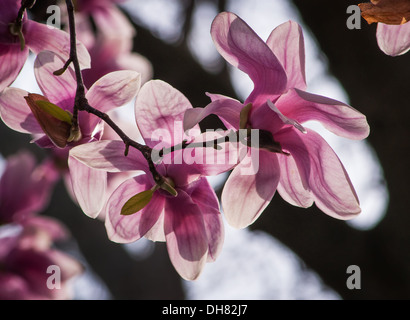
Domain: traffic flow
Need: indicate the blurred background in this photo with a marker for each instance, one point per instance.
(289, 252)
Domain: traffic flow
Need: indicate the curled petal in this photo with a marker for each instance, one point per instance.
(185, 234)
(322, 172)
(244, 49)
(245, 195)
(337, 117)
(125, 229)
(227, 109)
(287, 43)
(393, 40)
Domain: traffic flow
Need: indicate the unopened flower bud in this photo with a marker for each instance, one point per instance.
(55, 122)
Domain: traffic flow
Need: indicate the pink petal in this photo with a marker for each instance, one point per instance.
(12, 60)
(60, 90)
(15, 112)
(322, 172)
(393, 40)
(291, 187)
(287, 43)
(89, 187)
(186, 236)
(9, 10)
(40, 37)
(156, 233)
(205, 198)
(228, 110)
(136, 62)
(109, 156)
(113, 90)
(111, 22)
(245, 196)
(130, 228)
(337, 117)
(53, 227)
(159, 111)
(244, 49)
(189, 164)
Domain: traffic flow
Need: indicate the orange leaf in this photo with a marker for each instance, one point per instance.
(386, 11)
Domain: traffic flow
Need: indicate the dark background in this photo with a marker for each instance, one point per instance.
(377, 85)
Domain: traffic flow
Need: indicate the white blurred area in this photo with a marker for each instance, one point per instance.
(252, 265)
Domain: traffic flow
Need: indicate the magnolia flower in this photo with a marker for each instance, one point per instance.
(24, 188)
(14, 48)
(109, 40)
(294, 160)
(183, 210)
(111, 91)
(26, 254)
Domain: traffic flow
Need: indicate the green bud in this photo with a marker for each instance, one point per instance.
(168, 185)
(55, 111)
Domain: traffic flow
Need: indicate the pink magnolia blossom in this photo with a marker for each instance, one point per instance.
(190, 222)
(110, 45)
(304, 168)
(24, 188)
(26, 253)
(37, 37)
(393, 40)
(111, 91)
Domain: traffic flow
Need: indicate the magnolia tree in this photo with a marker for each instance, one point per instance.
(157, 188)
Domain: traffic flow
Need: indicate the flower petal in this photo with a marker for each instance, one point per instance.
(186, 236)
(109, 156)
(227, 109)
(136, 62)
(125, 229)
(322, 171)
(12, 60)
(15, 112)
(159, 112)
(189, 164)
(393, 40)
(89, 186)
(291, 187)
(205, 198)
(15, 188)
(337, 117)
(245, 195)
(287, 43)
(40, 37)
(60, 90)
(113, 90)
(244, 49)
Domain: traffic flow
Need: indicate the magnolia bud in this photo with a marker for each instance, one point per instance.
(55, 122)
